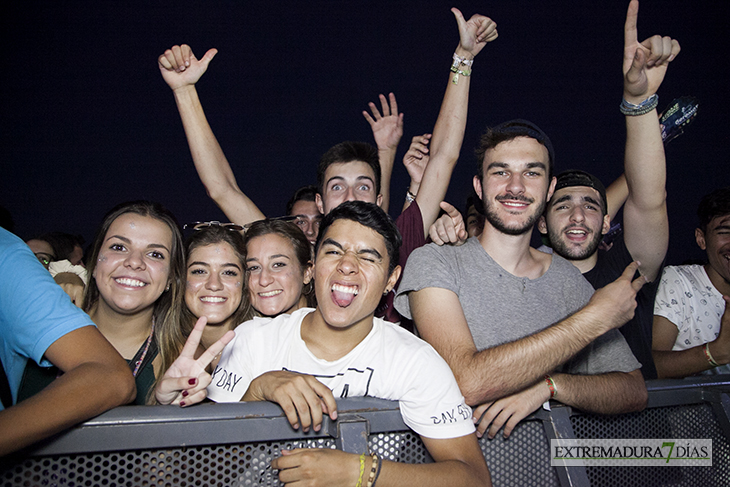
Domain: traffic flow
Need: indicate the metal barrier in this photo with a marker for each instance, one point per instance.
(233, 444)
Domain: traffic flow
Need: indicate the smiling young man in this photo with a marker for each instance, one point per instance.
(691, 318)
(504, 315)
(304, 360)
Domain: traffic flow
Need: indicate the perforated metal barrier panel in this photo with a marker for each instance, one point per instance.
(233, 445)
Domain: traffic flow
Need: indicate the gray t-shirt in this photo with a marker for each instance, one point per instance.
(501, 308)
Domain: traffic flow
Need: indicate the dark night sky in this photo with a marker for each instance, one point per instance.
(87, 121)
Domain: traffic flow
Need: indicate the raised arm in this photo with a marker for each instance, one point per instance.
(96, 378)
(496, 372)
(415, 160)
(645, 222)
(448, 133)
(387, 131)
(181, 70)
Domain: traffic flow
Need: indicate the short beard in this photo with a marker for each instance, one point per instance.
(493, 218)
(574, 253)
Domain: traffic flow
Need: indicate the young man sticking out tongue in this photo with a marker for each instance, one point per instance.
(304, 360)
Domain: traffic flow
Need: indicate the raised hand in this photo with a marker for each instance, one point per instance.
(474, 33)
(302, 397)
(645, 64)
(180, 67)
(388, 127)
(186, 380)
(449, 228)
(320, 466)
(510, 410)
(416, 159)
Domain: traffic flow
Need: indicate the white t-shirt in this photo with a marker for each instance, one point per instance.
(389, 363)
(687, 298)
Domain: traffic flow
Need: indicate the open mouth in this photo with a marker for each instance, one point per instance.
(129, 282)
(343, 294)
(576, 234)
(270, 294)
(213, 299)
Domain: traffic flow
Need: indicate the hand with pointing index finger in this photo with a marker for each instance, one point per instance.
(645, 63)
(186, 380)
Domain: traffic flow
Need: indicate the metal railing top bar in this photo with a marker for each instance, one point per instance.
(147, 427)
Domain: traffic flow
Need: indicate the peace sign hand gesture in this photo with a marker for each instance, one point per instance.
(186, 380)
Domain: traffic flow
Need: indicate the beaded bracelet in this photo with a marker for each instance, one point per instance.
(362, 470)
(708, 355)
(373, 471)
(551, 386)
(380, 466)
(633, 110)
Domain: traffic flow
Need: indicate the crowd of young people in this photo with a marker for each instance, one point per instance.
(300, 310)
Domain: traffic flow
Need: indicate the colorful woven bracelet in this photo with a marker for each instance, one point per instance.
(362, 470)
(708, 355)
(551, 386)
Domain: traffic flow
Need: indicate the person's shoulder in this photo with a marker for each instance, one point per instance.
(564, 266)
(677, 273)
(395, 336)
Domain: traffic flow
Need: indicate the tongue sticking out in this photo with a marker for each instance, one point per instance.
(342, 296)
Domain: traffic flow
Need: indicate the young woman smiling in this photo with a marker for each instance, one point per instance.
(279, 268)
(136, 290)
(215, 286)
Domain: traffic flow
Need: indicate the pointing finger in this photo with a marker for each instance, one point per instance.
(630, 33)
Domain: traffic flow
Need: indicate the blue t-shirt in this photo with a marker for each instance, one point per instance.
(34, 310)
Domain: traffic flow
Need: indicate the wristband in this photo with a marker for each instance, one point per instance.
(708, 355)
(362, 470)
(551, 386)
(633, 110)
(464, 72)
(410, 197)
(458, 60)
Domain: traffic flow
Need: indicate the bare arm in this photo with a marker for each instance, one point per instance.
(616, 195)
(415, 160)
(181, 70)
(611, 393)
(96, 378)
(512, 367)
(682, 363)
(458, 462)
(646, 228)
(448, 133)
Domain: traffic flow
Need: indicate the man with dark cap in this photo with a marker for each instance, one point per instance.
(577, 215)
